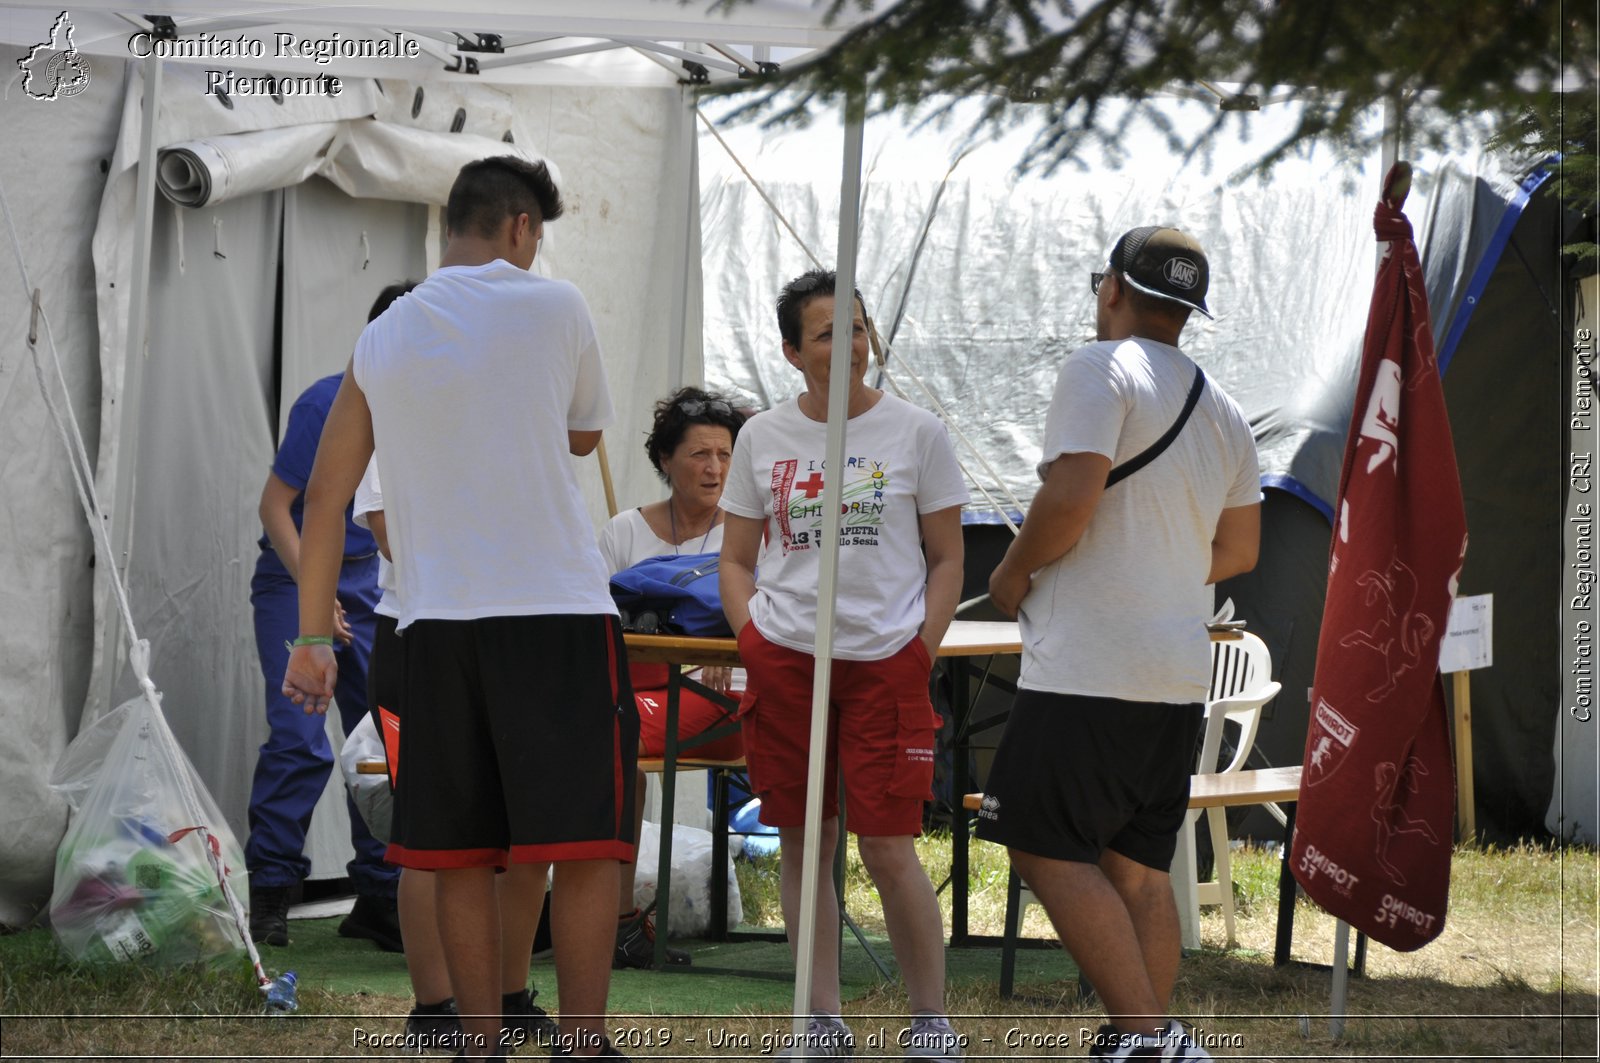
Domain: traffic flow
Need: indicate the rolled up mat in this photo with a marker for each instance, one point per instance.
(365, 158)
(196, 173)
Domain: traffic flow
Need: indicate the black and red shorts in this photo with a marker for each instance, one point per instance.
(519, 745)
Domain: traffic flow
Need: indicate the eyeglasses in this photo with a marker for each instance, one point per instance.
(696, 407)
(1094, 282)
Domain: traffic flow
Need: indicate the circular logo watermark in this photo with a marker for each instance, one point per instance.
(67, 74)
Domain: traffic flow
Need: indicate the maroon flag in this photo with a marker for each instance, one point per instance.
(1377, 801)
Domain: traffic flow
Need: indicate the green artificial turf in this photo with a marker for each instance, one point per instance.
(750, 977)
(753, 976)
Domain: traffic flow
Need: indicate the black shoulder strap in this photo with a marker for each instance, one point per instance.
(1153, 451)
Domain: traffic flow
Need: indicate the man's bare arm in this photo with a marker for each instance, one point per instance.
(1054, 524)
(1237, 543)
(582, 444)
(276, 498)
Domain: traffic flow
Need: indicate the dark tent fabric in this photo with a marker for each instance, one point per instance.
(1503, 389)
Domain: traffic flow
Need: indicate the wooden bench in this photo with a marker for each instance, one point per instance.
(655, 765)
(1252, 786)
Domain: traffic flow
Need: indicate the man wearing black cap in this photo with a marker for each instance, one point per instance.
(1150, 495)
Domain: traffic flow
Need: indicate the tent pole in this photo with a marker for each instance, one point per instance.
(1390, 151)
(677, 326)
(827, 582)
(129, 423)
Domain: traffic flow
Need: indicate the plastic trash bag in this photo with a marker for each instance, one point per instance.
(691, 879)
(133, 880)
(371, 792)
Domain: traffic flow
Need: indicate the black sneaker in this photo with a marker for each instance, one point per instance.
(377, 919)
(269, 915)
(636, 944)
(434, 1028)
(1174, 1044)
(522, 1022)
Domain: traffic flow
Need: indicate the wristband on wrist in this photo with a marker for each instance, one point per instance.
(313, 640)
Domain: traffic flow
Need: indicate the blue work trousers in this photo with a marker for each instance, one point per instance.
(293, 765)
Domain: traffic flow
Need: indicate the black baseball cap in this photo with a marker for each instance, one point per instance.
(1165, 263)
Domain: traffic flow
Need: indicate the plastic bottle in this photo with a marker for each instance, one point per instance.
(281, 996)
(123, 937)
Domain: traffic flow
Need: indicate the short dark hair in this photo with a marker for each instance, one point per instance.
(800, 291)
(489, 191)
(683, 408)
(387, 297)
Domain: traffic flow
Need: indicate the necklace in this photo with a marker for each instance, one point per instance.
(672, 520)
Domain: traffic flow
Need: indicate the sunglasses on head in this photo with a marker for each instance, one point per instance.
(696, 407)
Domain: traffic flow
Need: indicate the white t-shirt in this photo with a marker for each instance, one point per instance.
(626, 540)
(369, 499)
(899, 465)
(1123, 613)
(474, 379)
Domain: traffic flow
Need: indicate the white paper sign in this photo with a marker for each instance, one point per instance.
(1469, 641)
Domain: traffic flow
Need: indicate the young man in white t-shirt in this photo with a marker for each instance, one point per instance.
(1112, 588)
(520, 729)
(900, 576)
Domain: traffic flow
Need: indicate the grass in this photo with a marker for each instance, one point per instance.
(1513, 974)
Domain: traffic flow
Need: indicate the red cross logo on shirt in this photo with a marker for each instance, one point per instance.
(811, 486)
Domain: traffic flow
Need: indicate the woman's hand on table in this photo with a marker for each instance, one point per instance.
(717, 677)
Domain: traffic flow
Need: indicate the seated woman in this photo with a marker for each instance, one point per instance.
(690, 444)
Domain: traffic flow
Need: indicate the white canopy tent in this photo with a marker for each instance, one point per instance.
(594, 86)
(551, 45)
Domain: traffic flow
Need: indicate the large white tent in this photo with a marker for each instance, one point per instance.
(203, 321)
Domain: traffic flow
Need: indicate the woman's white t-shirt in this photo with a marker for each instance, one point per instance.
(899, 465)
(626, 540)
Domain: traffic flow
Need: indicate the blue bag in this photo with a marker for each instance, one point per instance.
(673, 593)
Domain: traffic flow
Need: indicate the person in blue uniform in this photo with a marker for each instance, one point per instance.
(293, 764)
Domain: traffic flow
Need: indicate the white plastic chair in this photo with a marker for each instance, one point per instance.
(1241, 687)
